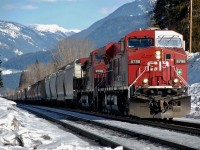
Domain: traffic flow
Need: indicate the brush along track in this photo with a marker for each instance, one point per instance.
(123, 132)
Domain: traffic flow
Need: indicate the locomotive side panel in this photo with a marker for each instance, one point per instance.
(120, 71)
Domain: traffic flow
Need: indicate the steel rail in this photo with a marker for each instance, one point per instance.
(84, 133)
(121, 130)
(180, 126)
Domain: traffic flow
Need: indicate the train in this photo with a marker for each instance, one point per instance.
(144, 74)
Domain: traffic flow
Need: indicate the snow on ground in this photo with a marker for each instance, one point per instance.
(189, 140)
(193, 67)
(194, 81)
(9, 71)
(22, 130)
(129, 142)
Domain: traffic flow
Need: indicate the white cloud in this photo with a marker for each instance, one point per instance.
(19, 7)
(29, 7)
(106, 10)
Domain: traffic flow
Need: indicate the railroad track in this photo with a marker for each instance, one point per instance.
(183, 127)
(94, 121)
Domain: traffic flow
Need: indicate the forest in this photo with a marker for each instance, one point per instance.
(174, 15)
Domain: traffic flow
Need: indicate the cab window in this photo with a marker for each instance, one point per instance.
(168, 42)
(140, 42)
(97, 57)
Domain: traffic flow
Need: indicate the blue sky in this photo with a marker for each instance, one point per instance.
(70, 14)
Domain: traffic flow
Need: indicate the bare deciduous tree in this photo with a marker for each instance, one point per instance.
(67, 51)
(34, 73)
(71, 49)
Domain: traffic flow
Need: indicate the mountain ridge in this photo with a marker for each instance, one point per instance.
(129, 17)
(17, 39)
(136, 11)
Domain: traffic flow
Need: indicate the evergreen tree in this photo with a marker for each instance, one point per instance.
(174, 15)
(22, 80)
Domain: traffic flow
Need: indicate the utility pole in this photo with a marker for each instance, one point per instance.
(190, 44)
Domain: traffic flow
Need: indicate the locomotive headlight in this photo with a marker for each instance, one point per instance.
(158, 55)
(145, 80)
(175, 80)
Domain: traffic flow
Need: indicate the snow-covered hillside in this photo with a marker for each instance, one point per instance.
(127, 18)
(53, 28)
(17, 39)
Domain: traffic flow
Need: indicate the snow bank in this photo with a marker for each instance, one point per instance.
(195, 101)
(193, 67)
(194, 81)
(22, 130)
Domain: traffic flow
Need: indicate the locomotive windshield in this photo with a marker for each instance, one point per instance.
(97, 57)
(140, 42)
(168, 42)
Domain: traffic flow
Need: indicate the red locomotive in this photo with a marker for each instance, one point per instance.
(144, 75)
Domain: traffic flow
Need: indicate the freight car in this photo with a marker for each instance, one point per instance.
(144, 75)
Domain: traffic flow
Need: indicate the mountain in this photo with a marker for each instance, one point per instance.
(22, 61)
(53, 28)
(17, 39)
(129, 17)
(22, 45)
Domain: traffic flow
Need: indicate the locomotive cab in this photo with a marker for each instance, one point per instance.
(157, 68)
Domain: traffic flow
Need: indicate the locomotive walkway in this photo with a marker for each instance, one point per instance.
(121, 133)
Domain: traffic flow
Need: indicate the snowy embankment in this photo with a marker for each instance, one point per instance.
(194, 81)
(22, 130)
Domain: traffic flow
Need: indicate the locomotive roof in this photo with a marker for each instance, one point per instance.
(153, 33)
(109, 50)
